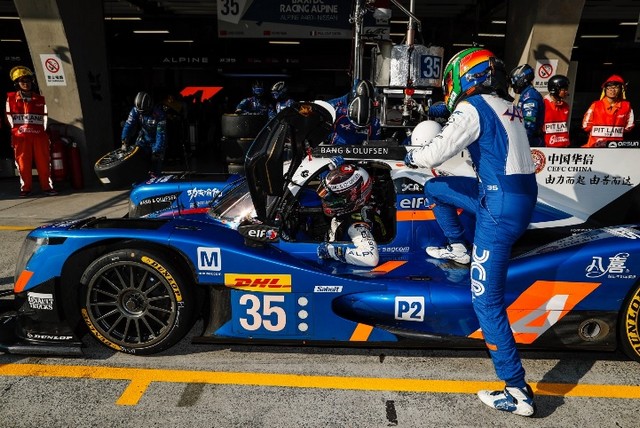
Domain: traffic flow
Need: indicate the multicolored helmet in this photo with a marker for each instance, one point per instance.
(467, 72)
(521, 77)
(279, 90)
(344, 190)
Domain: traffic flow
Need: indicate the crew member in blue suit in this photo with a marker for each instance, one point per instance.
(280, 95)
(150, 121)
(502, 198)
(530, 103)
(358, 105)
(256, 103)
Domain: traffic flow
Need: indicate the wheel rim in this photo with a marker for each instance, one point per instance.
(130, 304)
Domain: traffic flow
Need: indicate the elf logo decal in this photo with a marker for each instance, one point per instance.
(409, 308)
(541, 306)
(265, 283)
(209, 259)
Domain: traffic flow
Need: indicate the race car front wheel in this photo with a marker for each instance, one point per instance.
(629, 325)
(136, 301)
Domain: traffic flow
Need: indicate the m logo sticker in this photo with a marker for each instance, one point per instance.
(209, 259)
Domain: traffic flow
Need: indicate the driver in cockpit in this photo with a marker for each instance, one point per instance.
(346, 193)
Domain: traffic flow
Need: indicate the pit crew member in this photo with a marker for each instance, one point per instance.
(530, 103)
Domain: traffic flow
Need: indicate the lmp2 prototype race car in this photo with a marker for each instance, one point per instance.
(246, 262)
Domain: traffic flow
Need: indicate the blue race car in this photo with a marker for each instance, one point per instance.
(246, 262)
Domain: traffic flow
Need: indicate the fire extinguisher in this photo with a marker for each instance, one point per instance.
(58, 161)
(77, 181)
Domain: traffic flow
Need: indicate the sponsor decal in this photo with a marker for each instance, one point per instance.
(265, 283)
(539, 159)
(541, 306)
(383, 249)
(259, 232)
(623, 144)
(409, 308)
(209, 259)
(477, 272)
(632, 316)
(415, 203)
(41, 301)
(623, 232)
(100, 337)
(164, 199)
(52, 337)
(327, 289)
(207, 193)
(166, 274)
(615, 268)
(407, 185)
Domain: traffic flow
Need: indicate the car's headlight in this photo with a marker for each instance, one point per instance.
(29, 247)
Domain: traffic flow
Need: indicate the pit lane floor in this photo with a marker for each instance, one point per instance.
(203, 385)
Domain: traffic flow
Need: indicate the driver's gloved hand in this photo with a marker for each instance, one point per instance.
(408, 160)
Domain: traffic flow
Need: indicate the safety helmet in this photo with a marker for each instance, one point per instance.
(614, 79)
(344, 190)
(556, 83)
(19, 71)
(360, 111)
(467, 73)
(142, 102)
(279, 90)
(257, 88)
(424, 132)
(365, 88)
(521, 77)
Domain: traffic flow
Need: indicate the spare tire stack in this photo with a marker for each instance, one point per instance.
(238, 133)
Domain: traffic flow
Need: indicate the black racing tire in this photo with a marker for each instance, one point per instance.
(629, 325)
(121, 168)
(136, 301)
(242, 125)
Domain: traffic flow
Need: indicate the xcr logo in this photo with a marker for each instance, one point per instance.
(264, 283)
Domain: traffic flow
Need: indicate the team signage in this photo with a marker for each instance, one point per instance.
(361, 152)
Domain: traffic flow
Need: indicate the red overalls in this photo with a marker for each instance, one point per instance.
(555, 129)
(28, 121)
(606, 121)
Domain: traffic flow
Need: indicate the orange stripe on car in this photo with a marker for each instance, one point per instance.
(541, 306)
(410, 215)
(361, 333)
(389, 266)
(22, 281)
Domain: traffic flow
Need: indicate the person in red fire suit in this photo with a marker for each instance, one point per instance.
(27, 116)
(608, 118)
(556, 113)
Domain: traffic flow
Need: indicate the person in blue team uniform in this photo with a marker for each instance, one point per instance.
(502, 199)
(279, 93)
(150, 123)
(530, 103)
(355, 122)
(256, 103)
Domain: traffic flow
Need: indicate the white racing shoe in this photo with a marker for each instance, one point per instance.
(456, 252)
(512, 399)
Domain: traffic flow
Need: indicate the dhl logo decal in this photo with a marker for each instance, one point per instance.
(541, 306)
(265, 283)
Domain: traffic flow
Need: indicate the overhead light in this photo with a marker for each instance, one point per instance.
(122, 18)
(178, 41)
(11, 40)
(607, 63)
(498, 21)
(9, 17)
(397, 21)
(283, 42)
(628, 23)
(151, 31)
(599, 36)
(491, 35)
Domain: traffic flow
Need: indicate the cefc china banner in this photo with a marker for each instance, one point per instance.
(301, 19)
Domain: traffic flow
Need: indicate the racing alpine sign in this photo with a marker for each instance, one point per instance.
(323, 19)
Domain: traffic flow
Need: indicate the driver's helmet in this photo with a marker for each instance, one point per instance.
(468, 72)
(257, 88)
(279, 90)
(344, 190)
(556, 83)
(142, 102)
(424, 132)
(521, 77)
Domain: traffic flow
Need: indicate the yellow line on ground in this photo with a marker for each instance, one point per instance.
(17, 228)
(140, 379)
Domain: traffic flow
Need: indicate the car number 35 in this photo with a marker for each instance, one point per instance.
(263, 311)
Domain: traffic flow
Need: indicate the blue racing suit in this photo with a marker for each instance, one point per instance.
(502, 198)
(151, 128)
(532, 106)
(253, 105)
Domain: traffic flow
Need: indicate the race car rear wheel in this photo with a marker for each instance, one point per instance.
(629, 325)
(136, 301)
